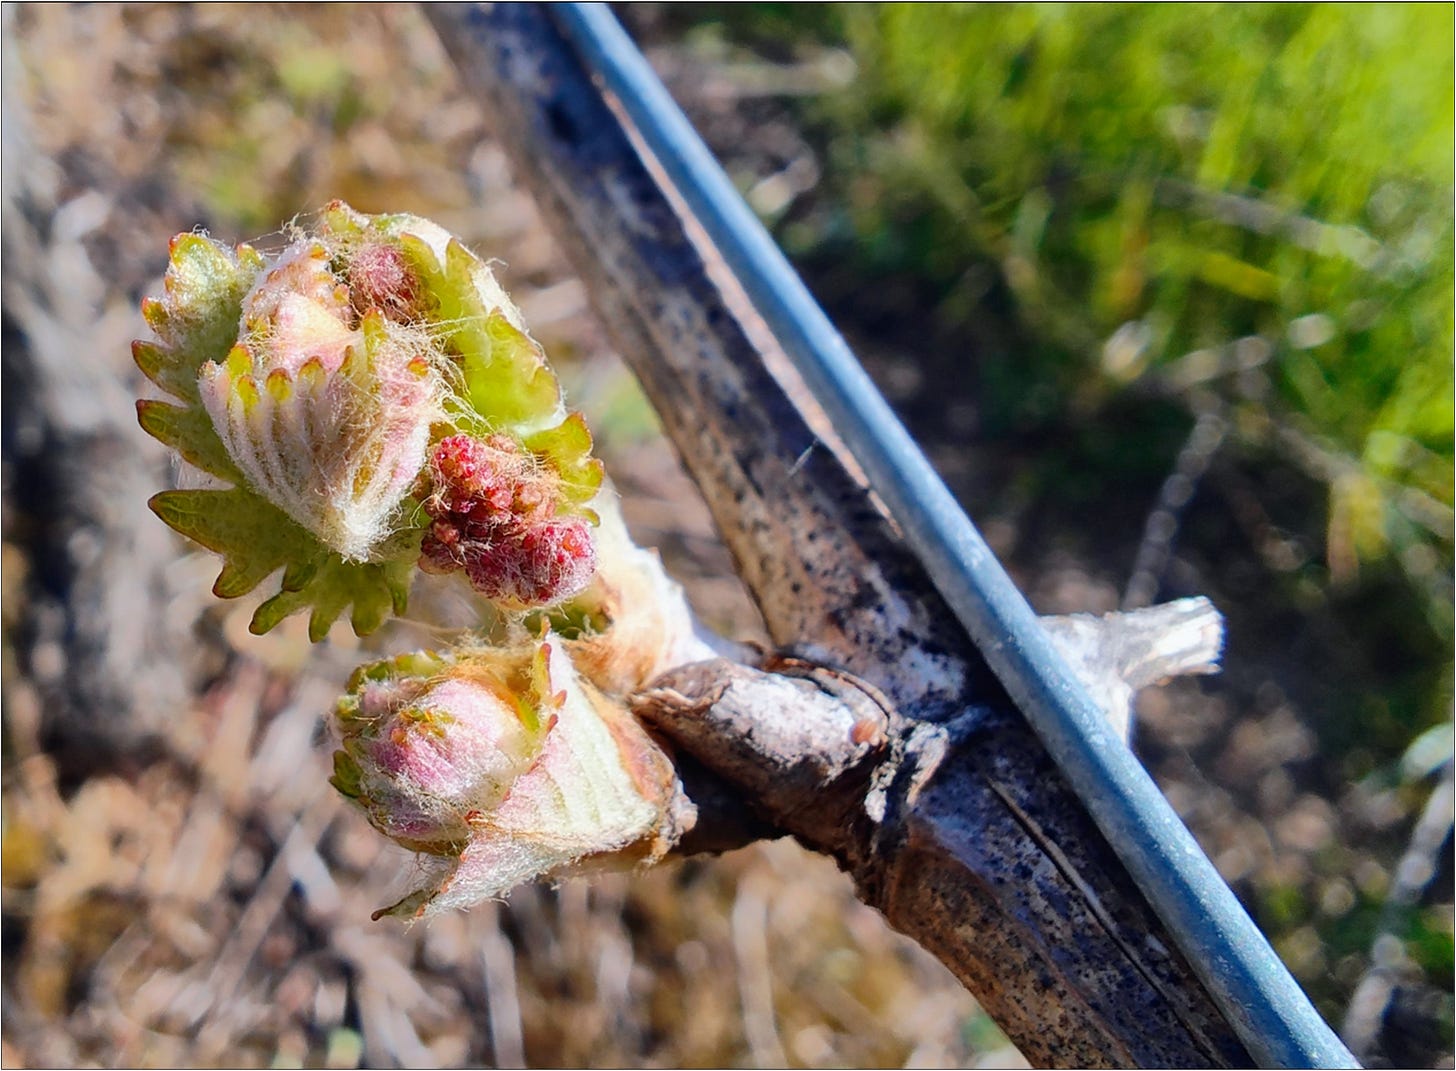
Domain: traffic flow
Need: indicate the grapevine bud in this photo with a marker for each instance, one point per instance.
(328, 416)
(314, 384)
(499, 767)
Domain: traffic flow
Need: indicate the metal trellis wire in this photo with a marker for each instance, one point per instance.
(1252, 987)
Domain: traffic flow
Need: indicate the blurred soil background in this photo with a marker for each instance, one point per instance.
(1166, 293)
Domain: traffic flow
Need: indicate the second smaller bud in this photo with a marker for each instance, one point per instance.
(501, 766)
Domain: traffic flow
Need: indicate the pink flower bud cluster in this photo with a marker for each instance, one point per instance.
(500, 766)
(422, 758)
(493, 511)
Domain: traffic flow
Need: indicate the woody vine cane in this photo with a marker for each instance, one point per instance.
(356, 393)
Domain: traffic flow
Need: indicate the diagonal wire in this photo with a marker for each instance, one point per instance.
(1252, 987)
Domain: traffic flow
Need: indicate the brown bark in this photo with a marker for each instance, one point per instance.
(956, 825)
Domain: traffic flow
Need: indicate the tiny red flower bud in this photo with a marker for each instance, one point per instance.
(557, 556)
(380, 278)
(494, 513)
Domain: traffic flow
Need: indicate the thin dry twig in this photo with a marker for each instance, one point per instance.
(755, 980)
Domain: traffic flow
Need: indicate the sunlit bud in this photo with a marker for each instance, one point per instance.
(500, 767)
(327, 415)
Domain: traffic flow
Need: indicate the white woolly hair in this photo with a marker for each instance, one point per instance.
(339, 452)
(335, 448)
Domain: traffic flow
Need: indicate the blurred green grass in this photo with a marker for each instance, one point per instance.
(1092, 221)
(1151, 184)
(1098, 221)
(1128, 214)
(1245, 207)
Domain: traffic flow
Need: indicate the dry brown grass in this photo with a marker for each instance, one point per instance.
(181, 887)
